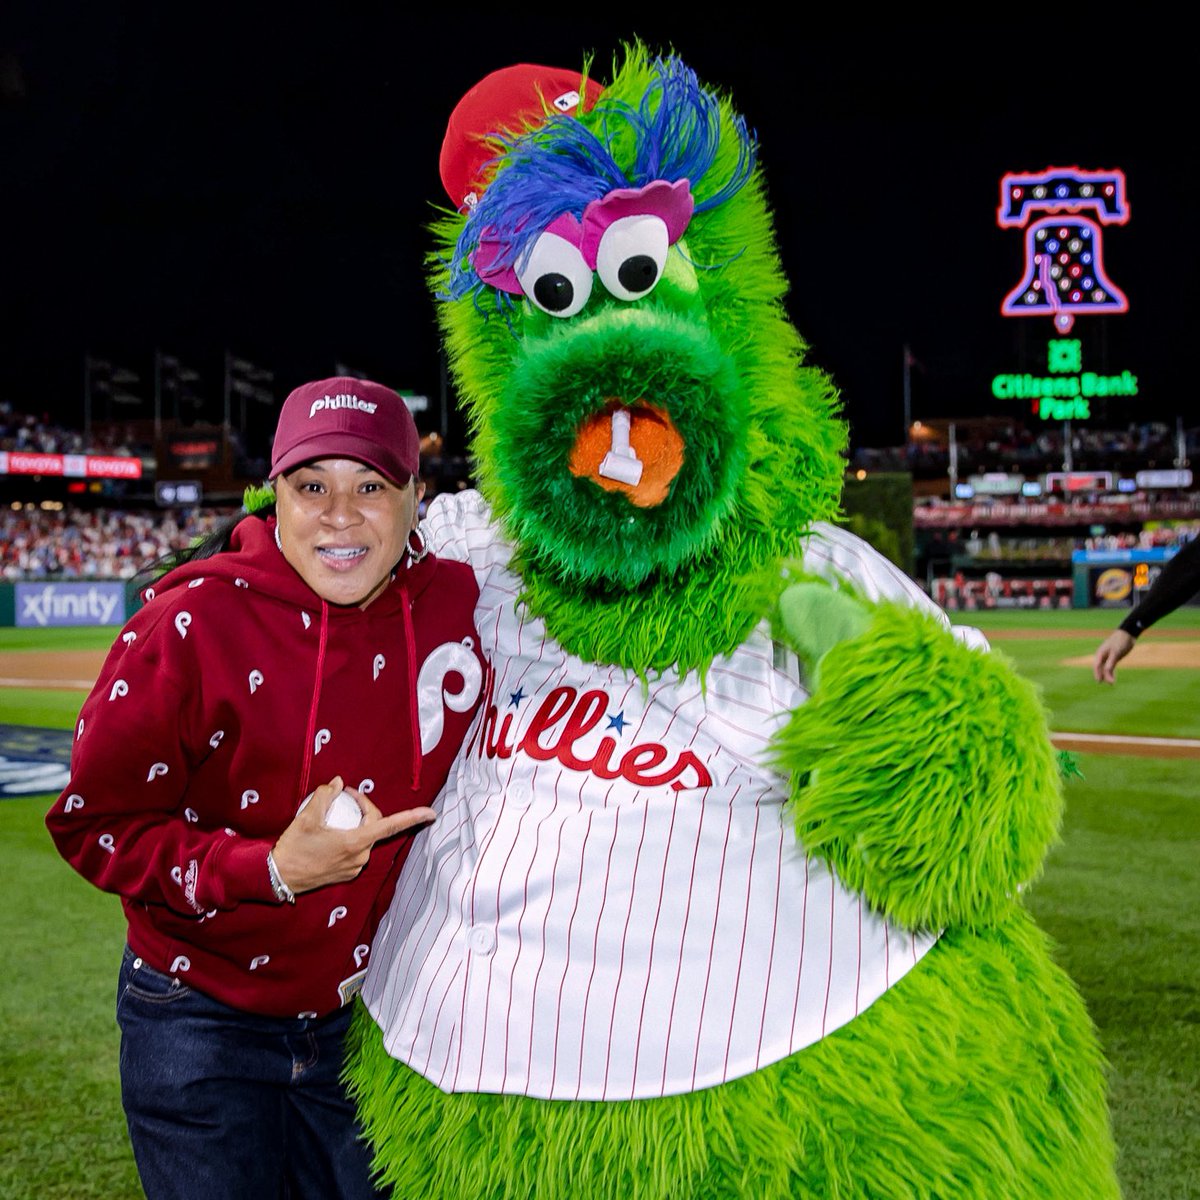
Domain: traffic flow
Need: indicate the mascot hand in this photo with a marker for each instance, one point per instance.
(816, 618)
(921, 770)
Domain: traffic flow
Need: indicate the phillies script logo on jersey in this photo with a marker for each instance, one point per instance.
(565, 718)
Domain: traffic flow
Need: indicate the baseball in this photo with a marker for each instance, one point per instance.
(343, 812)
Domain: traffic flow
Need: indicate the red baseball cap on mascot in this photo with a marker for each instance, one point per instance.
(343, 417)
(509, 101)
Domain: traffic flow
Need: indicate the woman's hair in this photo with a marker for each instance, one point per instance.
(216, 541)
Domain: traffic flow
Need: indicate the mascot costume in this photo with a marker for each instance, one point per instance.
(724, 895)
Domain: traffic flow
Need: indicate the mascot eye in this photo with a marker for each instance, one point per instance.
(555, 277)
(631, 255)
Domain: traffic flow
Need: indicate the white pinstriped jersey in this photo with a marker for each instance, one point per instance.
(612, 903)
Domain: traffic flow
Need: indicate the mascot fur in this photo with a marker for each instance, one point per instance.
(724, 897)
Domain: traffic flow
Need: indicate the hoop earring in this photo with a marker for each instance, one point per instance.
(278, 540)
(414, 553)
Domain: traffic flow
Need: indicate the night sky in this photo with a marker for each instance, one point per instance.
(258, 179)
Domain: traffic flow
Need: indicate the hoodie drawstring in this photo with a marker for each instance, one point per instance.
(410, 642)
(310, 734)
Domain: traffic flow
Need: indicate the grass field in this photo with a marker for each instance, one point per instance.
(1120, 895)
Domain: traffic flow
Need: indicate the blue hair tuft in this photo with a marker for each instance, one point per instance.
(563, 165)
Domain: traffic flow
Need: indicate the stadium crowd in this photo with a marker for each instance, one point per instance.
(26, 432)
(984, 446)
(56, 541)
(73, 543)
(993, 546)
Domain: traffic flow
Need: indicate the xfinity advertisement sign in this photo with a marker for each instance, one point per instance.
(42, 605)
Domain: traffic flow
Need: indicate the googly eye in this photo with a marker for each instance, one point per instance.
(632, 254)
(555, 277)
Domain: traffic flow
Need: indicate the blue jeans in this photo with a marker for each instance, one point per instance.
(224, 1105)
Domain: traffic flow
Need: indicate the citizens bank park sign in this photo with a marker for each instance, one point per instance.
(1063, 212)
(70, 466)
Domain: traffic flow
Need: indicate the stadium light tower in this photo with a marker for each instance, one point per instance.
(247, 380)
(95, 372)
(103, 379)
(170, 375)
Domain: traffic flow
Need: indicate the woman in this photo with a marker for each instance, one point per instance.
(315, 652)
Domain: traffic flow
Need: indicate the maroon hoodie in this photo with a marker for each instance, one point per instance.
(229, 697)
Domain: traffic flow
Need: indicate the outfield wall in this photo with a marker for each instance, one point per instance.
(1118, 578)
(1101, 579)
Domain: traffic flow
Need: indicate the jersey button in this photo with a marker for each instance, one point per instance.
(519, 796)
(481, 939)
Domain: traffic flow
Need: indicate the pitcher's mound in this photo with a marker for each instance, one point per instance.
(1155, 653)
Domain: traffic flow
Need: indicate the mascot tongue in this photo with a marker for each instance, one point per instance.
(633, 450)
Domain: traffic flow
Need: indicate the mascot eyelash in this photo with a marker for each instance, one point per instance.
(564, 166)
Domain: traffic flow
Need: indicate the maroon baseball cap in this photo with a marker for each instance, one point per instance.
(344, 417)
(509, 101)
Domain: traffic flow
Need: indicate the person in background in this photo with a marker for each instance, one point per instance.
(265, 734)
(1176, 584)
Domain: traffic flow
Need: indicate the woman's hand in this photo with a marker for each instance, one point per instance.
(310, 854)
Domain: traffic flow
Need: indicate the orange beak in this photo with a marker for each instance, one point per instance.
(654, 440)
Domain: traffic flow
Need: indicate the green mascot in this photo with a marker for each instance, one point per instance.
(724, 897)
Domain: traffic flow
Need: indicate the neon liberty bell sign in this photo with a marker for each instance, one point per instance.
(1062, 210)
